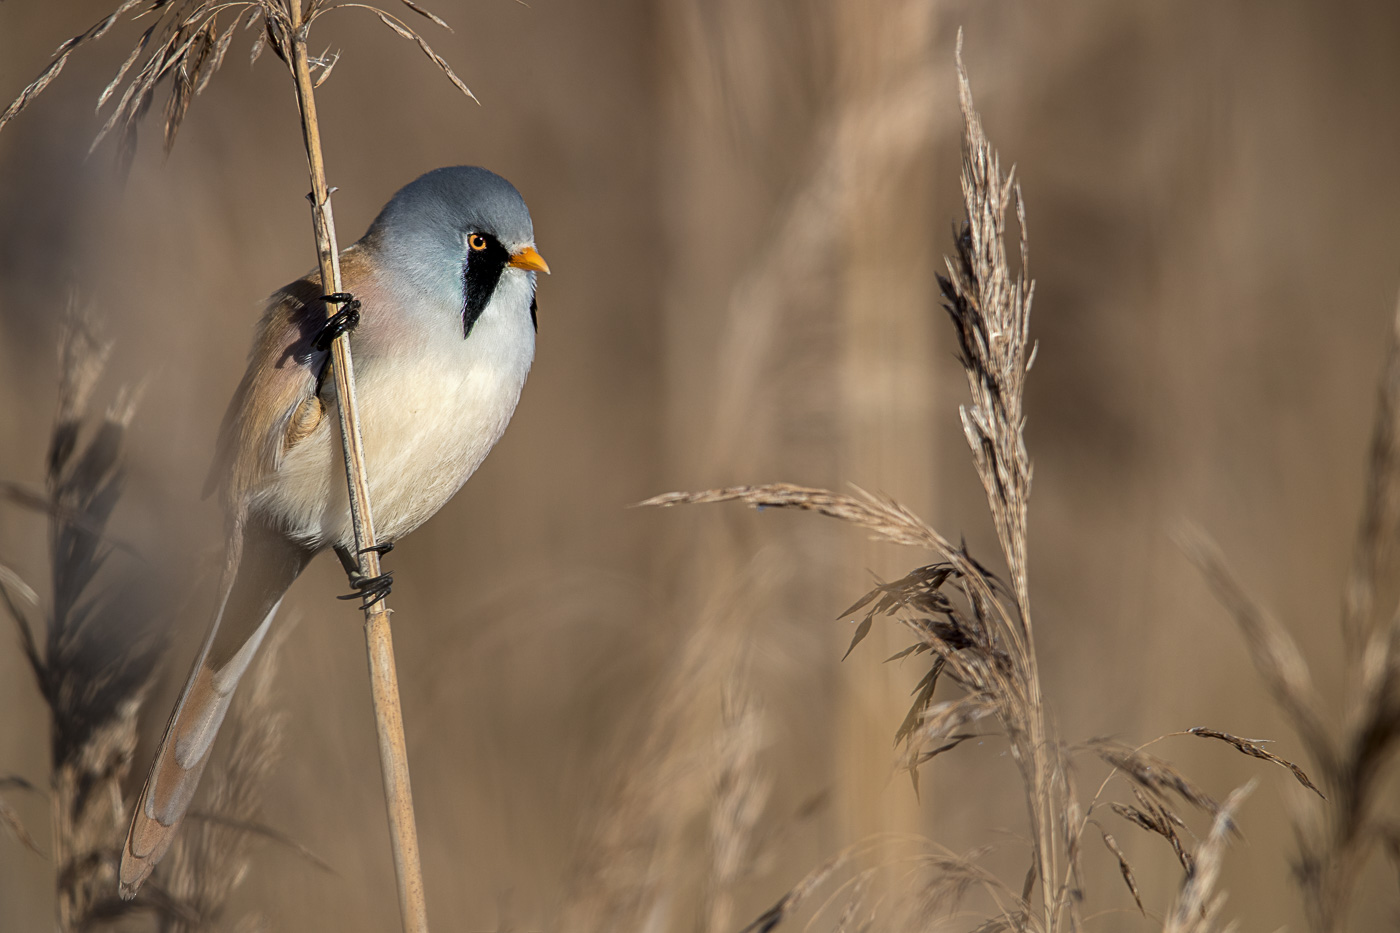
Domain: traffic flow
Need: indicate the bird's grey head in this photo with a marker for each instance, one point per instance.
(448, 203)
(456, 231)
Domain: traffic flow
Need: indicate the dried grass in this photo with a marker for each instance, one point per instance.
(689, 784)
(984, 640)
(1198, 906)
(976, 628)
(94, 652)
(94, 657)
(1354, 757)
(185, 43)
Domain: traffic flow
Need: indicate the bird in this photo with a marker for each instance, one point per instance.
(439, 303)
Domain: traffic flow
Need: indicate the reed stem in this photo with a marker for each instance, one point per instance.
(388, 712)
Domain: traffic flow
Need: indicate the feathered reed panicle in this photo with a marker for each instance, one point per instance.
(94, 652)
(975, 627)
(691, 782)
(94, 656)
(185, 43)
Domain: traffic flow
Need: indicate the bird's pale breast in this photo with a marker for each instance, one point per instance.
(431, 409)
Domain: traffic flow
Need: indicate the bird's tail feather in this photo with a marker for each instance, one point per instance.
(261, 566)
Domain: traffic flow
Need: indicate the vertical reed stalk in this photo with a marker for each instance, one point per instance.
(388, 713)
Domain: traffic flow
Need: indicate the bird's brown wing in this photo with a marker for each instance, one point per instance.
(276, 405)
(277, 402)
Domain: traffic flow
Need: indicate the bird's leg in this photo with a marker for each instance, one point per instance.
(347, 560)
(370, 589)
(343, 321)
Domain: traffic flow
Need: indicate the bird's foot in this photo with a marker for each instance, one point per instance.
(342, 322)
(380, 549)
(369, 590)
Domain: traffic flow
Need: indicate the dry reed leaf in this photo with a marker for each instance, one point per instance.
(10, 819)
(402, 29)
(259, 43)
(426, 13)
(1253, 748)
(941, 720)
(1072, 823)
(1158, 806)
(862, 630)
(16, 781)
(1124, 868)
(216, 61)
(935, 733)
(923, 698)
(953, 741)
(136, 53)
(13, 584)
(1155, 818)
(1153, 774)
(51, 71)
(1272, 649)
(882, 517)
(322, 66)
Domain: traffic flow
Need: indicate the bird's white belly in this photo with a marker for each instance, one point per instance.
(424, 439)
(428, 422)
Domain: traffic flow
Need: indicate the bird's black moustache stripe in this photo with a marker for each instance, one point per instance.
(480, 274)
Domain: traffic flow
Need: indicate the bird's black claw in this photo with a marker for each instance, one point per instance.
(381, 549)
(370, 589)
(343, 321)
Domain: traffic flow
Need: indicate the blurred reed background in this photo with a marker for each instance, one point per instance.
(627, 719)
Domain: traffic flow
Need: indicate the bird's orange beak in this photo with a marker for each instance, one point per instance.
(527, 258)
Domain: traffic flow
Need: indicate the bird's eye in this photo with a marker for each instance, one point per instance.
(477, 242)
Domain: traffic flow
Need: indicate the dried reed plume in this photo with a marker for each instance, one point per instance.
(100, 647)
(185, 44)
(976, 628)
(94, 653)
(692, 783)
(1198, 906)
(988, 646)
(1336, 840)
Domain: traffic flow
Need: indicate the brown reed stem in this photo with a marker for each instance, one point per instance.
(388, 712)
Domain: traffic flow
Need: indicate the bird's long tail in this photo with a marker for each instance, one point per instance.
(262, 564)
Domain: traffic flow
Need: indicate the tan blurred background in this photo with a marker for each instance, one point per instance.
(744, 205)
